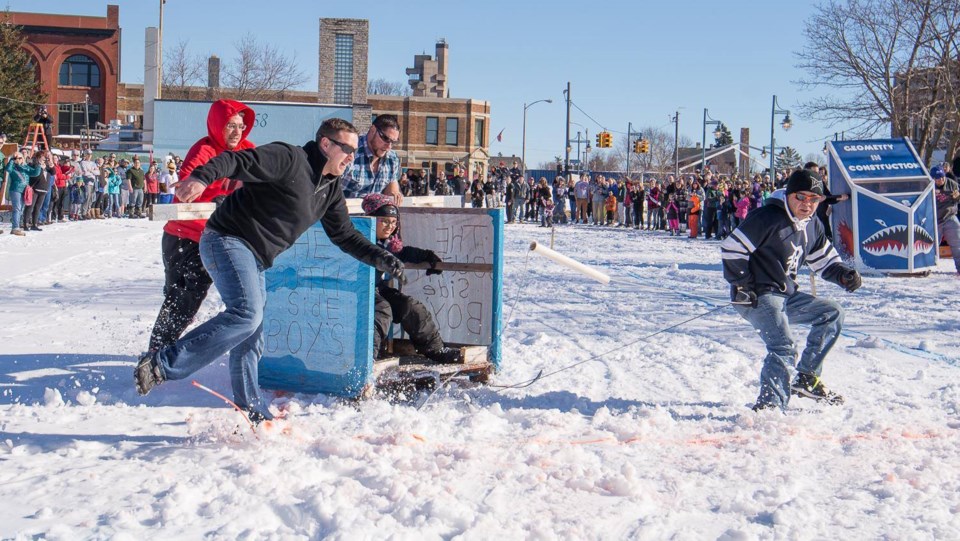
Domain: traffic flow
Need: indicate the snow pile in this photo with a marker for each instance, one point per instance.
(652, 440)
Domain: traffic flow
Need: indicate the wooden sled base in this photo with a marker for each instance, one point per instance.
(405, 371)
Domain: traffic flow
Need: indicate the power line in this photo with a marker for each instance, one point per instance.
(586, 115)
(20, 101)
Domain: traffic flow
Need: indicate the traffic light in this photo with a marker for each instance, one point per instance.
(600, 140)
(644, 146)
(607, 139)
(638, 146)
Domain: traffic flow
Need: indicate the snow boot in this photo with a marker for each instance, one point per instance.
(810, 386)
(446, 355)
(147, 375)
(18, 232)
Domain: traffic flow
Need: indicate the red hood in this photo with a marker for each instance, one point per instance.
(220, 112)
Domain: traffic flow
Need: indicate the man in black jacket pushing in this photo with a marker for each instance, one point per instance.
(286, 189)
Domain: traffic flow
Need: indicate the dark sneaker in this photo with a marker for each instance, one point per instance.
(257, 417)
(810, 386)
(446, 355)
(763, 406)
(147, 375)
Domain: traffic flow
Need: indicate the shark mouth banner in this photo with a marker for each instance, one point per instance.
(894, 241)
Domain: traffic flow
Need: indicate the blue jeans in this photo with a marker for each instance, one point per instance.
(16, 201)
(113, 205)
(772, 317)
(238, 329)
(45, 208)
(949, 230)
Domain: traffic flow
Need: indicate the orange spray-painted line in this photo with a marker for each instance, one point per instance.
(228, 401)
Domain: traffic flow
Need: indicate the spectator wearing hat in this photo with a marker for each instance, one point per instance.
(390, 305)
(761, 259)
(168, 177)
(948, 227)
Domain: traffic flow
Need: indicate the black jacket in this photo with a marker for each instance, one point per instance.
(283, 194)
(765, 252)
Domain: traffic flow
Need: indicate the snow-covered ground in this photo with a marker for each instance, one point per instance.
(652, 441)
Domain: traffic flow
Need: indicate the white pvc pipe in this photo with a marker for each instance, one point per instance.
(567, 262)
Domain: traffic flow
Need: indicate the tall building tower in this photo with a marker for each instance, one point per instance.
(343, 66)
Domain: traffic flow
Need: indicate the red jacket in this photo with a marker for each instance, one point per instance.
(64, 172)
(201, 152)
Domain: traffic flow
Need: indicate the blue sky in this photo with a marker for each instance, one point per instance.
(626, 61)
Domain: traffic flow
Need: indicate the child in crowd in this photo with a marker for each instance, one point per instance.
(610, 205)
(78, 196)
(673, 215)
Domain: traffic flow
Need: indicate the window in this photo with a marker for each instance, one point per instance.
(478, 132)
(79, 70)
(343, 69)
(433, 127)
(452, 125)
(71, 117)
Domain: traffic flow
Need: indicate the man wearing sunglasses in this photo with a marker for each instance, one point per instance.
(286, 189)
(761, 259)
(376, 167)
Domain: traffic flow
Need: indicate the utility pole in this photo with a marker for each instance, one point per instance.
(676, 144)
(629, 150)
(566, 139)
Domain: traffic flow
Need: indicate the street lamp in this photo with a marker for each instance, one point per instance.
(786, 124)
(703, 144)
(523, 151)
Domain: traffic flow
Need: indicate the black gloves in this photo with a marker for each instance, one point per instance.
(432, 258)
(850, 280)
(389, 264)
(743, 297)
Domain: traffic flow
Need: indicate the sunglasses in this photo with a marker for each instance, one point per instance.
(811, 198)
(347, 149)
(383, 137)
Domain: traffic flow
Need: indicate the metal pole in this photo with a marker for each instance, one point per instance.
(773, 112)
(578, 147)
(629, 132)
(160, 52)
(676, 144)
(523, 149)
(703, 145)
(566, 139)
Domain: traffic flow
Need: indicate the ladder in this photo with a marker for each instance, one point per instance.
(35, 134)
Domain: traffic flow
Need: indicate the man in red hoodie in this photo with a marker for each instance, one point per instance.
(186, 281)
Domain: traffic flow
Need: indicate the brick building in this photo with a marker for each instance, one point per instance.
(78, 64)
(438, 133)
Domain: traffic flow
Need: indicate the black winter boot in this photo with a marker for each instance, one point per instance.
(147, 375)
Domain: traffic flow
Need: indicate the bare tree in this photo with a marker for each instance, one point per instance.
(383, 87)
(261, 71)
(816, 157)
(181, 70)
(659, 158)
(886, 64)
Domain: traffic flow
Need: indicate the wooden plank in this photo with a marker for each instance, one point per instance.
(420, 201)
(182, 211)
(453, 266)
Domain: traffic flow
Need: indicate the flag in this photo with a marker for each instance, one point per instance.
(500, 136)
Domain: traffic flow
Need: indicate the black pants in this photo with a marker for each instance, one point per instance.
(185, 286)
(390, 305)
(34, 213)
(638, 214)
(709, 222)
(57, 205)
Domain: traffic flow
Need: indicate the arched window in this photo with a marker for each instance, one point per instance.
(79, 70)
